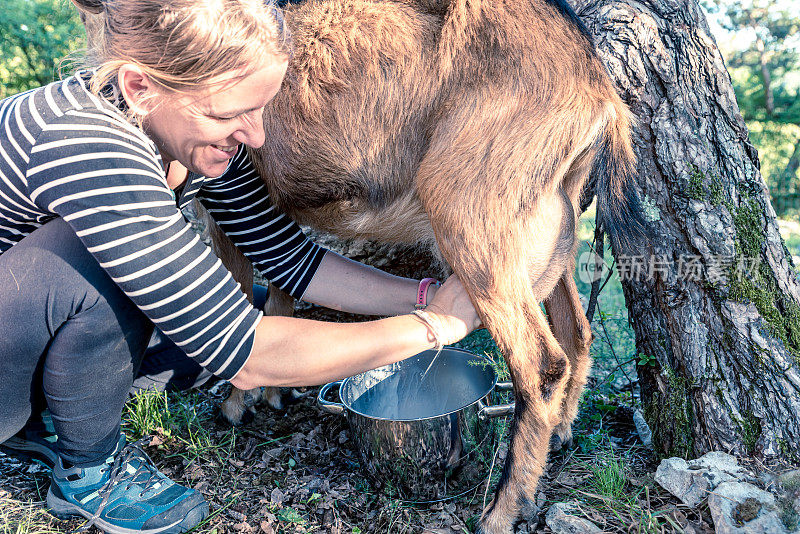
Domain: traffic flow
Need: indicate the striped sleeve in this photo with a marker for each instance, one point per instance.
(239, 202)
(104, 178)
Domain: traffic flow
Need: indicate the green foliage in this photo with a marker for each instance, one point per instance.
(290, 515)
(765, 70)
(646, 360)
(778, 146)
(36, 36)
(767, 30)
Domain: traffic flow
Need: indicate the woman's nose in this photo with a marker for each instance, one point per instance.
(251, 132)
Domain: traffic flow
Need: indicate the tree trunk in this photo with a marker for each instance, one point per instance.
(763, 62)
(790, 172)
(715, 302)
(787, 193)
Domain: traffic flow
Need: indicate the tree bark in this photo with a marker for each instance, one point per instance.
(716, 306)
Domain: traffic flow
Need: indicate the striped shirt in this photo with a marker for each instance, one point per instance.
(65, 152)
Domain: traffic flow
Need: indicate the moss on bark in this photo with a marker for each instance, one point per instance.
(670, 415)
(779, 311)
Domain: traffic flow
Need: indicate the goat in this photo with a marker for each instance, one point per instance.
(471, 127)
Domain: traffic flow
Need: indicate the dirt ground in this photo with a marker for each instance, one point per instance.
(297, 471)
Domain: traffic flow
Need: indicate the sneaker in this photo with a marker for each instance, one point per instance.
(34, 442)
(125, 495)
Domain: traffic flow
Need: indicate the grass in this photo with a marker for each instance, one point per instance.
(148, 412)
(609, 473)
(602, 475)
(23, 517)
(178, 417)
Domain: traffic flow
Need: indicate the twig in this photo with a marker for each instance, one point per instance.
(564, 465)
(491, 468)
(609, 275)
(611, 346)
(599, 252)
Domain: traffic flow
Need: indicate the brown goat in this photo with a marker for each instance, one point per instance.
(470, 126)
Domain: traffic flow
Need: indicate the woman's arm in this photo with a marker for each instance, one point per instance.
(239, 202)
(299, 352)
(346, 285)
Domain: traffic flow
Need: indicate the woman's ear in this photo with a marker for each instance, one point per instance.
(138, 90)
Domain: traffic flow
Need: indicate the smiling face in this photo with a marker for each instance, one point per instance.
(204, 128)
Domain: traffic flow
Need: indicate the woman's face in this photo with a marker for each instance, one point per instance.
(203, 128)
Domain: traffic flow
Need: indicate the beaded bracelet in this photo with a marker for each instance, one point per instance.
(428, 320)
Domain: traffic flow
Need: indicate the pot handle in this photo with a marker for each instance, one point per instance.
(502, 410)
(328, 406)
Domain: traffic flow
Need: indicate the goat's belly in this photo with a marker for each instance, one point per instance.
(402, 221)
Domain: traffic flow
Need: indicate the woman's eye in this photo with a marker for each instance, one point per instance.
(225, 118)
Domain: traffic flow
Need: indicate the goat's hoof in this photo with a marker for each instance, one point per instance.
(529, 512)
(559, 443)
(274, 398)
(294, 396)
(226, 419)
(248, 416)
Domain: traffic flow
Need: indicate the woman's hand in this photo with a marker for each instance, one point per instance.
(299, 352)
(453, 308)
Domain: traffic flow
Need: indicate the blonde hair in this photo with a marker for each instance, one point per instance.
(181, 44)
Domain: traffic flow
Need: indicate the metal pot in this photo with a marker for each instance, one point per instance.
(423, 436)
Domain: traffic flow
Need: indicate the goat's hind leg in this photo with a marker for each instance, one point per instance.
(239, 407)
(572, 330)
(495, 259)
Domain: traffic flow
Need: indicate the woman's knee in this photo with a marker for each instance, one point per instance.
(58, 281)
(13, 419)
(53, 255)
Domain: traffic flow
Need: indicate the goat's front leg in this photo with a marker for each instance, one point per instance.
(239, 407)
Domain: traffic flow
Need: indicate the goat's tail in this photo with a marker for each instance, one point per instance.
(620, 207)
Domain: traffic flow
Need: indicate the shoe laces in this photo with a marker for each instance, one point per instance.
(119, 474)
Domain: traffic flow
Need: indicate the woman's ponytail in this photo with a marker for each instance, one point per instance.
(90, 6)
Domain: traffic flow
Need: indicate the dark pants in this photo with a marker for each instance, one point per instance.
(70, 338)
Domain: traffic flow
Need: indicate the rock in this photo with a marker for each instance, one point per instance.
(741, 508)
(692, 481)
(530, 515)
(719, 466)
(691, 487)
(643, 429)
(277, 497)
(561, 521)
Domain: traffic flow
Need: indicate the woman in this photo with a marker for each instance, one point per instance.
(94, 251)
